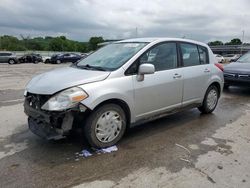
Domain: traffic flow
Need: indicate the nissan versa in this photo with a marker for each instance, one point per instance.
(122, 85)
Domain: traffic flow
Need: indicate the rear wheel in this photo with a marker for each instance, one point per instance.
(210, 100)
(58, 61)
(105, 126)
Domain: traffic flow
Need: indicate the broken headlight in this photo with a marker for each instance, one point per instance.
(65, 99)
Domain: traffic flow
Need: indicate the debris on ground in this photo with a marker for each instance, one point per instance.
(107, 150)
(87, 153)
(187, 157)
(220, 167)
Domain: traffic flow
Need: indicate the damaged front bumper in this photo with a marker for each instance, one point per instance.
(48, 125)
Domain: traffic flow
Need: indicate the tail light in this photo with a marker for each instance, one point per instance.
(220, 66)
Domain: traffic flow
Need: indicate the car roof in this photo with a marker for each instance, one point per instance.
(6, 52)
(160, 39)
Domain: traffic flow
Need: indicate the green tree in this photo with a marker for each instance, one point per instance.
(235, 41)
(215, 43)
(93, 43)
(60, 43)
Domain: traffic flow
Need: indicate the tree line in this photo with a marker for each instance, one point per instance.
(48, 43)
(235, 41)
(61, 43)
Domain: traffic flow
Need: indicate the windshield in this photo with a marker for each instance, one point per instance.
(244, 59)
(111, 57)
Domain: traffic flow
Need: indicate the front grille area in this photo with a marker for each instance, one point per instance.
(36, 101)
(229, 75)
(244, 76)
(237, 76)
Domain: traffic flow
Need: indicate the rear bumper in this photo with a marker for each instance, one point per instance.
(48, 125)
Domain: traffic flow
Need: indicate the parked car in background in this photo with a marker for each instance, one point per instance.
(231, 57)
(46, 59)
(220, 58)
(238, 73)
(65, 57)
(122, 85)
(30, 58)
(8, 57)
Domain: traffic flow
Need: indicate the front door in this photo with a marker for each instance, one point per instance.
(161, 91)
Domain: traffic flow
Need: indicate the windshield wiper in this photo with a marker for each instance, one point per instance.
(90, 67)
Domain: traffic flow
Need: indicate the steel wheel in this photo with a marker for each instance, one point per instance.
(11, 61)
(105, 126)
(212, 99)
(108, 126)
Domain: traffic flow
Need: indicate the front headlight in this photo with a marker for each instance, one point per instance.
(66, 99)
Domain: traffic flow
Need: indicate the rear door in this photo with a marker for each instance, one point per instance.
(196, 72)
(66, 58)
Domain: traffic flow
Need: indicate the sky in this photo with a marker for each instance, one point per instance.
(201, 20)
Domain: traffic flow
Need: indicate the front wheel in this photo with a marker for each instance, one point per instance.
(11, 61)
(210, 100)
(105, 126)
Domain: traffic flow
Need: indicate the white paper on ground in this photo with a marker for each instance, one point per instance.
(86, 153)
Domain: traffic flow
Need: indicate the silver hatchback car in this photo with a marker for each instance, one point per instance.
(121, 85)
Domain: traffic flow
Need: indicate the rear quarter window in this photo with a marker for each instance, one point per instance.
(203, 53)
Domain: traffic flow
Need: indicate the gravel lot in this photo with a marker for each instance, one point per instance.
(182, 150)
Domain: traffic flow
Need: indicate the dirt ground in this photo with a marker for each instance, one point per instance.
(187, 149)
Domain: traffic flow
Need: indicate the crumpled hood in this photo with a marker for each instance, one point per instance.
(62, 78)
(237, 68)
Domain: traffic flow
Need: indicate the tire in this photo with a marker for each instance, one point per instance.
(46, 61)
(97, 122)
(11, 61)
(58, 61)
(210, 100)
(36, 62)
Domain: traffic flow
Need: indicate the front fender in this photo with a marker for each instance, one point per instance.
(115, 88)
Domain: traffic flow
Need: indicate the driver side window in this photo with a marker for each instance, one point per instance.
(163, 56)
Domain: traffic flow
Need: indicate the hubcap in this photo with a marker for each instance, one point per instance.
(212, 98)
(12, 61)
(108, 126)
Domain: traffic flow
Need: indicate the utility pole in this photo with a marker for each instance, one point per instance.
(243, 36)
(136, 32)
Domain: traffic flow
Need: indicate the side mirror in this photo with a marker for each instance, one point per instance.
(145, 69)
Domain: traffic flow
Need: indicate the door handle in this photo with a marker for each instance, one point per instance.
(206, 70)
(176, 76)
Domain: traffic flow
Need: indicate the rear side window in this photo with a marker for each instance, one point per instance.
(190, 55)
(5, 54)
(203, 55)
